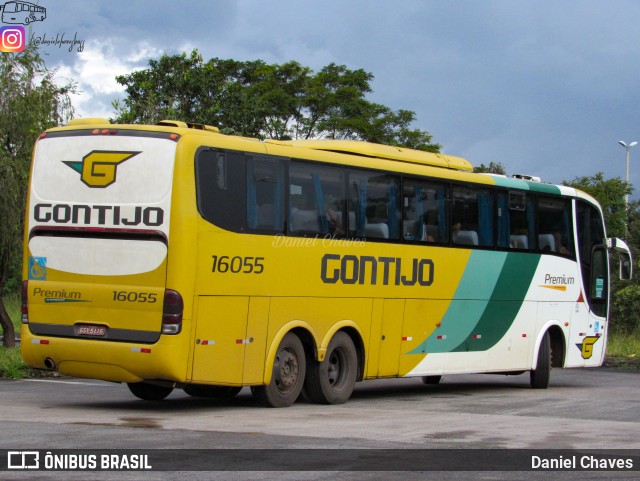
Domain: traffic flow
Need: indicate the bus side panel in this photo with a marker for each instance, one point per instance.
(325, 315)
(220, 340)
(391, 337)
(421, 319)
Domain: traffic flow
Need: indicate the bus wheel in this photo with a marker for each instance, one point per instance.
(212, 392)
(431, 379)
(287, 378)
(539, 377)
(149, 392)
(332, 380)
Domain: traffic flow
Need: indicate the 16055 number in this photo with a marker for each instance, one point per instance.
(132, 296)
(237, 264)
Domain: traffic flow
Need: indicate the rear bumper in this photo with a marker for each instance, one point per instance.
(107, 360)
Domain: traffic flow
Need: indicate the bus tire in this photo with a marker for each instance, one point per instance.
(149, 392)
(539, 377)
(287, 378)
(212, 392)
(431, 379)
(332, 380)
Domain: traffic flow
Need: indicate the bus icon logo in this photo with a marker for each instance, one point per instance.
(23, 460)
(22, 12)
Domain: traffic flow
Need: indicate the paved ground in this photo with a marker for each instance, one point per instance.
(583, 409)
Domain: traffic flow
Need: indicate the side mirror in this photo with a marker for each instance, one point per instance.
(624, 253)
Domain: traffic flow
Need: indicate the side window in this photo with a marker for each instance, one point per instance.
(424, 211)
(374, 205)
(516, 220)
(317, 203)
(555, 229)
(265, 194)
(471, 216)
(220, 188)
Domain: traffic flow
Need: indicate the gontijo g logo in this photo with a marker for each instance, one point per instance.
(98, 168)
(12, 39)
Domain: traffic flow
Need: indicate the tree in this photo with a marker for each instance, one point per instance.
(253, 98)
(492, 168)
(30, 102)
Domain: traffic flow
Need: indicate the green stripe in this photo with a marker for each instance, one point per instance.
(487, 301)
(504, 304)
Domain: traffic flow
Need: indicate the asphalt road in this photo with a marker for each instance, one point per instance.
(583, 409)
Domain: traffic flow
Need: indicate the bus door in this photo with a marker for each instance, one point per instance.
(589, 319)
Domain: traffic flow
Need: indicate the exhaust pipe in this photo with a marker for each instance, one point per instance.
(49, 363)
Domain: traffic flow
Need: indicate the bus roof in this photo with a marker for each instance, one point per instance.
(380, 151)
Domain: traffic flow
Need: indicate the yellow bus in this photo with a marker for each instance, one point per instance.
(172, 256)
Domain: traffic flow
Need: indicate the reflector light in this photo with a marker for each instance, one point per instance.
(39, 341)
(442, 337)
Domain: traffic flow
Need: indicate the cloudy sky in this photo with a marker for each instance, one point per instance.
(546, 87)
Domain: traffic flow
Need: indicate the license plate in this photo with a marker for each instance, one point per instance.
(91, 330)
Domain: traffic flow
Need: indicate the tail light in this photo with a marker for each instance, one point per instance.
(172, 312)
(24, 306)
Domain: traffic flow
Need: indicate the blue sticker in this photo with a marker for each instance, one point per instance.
(37, 268)
(596, 327)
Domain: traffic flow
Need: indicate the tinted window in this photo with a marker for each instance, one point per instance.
(317, 203)
(555, 229)
(374, 205)
(424, 211)
(516, 220)
(471, 216)
(220, 188)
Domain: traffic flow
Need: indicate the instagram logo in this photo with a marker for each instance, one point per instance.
(12, 39)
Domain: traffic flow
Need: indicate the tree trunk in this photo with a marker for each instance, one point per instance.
(7, 326)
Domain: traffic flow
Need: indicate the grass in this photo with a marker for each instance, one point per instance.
(623, 349)
(11, 364)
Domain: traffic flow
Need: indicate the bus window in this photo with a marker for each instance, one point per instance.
(424, 212)
(555, 230)
(220, 188)
(374, 203)
(265, 180)
(317, 203)
(516, 221)
(472, 216)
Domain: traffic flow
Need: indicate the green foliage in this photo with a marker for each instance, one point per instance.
(11, 364)
(492, 168)
(255, 99)
(30, 102)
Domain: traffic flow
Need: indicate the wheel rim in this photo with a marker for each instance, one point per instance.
(336, 368)
(287, 370)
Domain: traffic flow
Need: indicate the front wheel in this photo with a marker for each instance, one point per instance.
(287, 377)
(149, 392)
(332, 380)
(539, 377)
